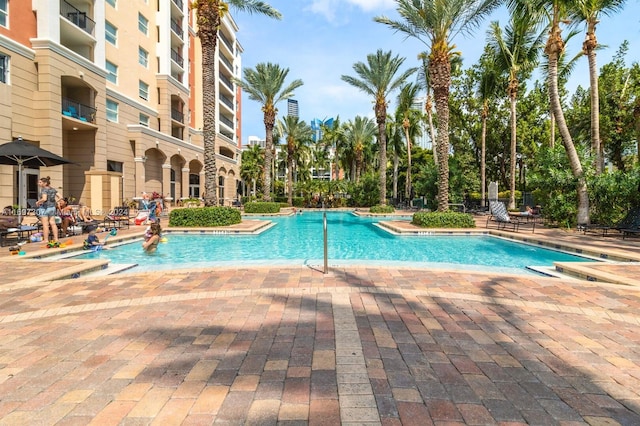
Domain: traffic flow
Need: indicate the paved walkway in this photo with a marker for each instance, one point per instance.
(291, 345)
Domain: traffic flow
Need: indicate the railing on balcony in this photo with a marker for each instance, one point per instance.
(225, 100)
(226, 61)
(73, 109)
(177, 58)
(226, 121)
(77, 17)
(226, 41)
(226, 80)
(177, 115)
(177, 27)
(178, 3)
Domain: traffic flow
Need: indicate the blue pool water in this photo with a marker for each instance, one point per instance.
(351, 240)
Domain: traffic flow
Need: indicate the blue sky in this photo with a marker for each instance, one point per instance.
(320, 40)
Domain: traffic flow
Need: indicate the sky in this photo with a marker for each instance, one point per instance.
(320, 40)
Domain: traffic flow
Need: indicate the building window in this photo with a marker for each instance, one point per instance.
(112, 72)
(115, 166)
(144, 120)
(143, 57)
(111, 33)
(143, 24)
(112, 111)
(4, 13)
(143, 90)
(4, 69)
(112, 3)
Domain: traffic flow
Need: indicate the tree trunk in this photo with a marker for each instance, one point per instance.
(440, 77)
(589, 48)
(512, 168)
(269, 122)
(483, 153)
(396, 163)
(432, 133)
(555, 45)
(407, 189)
(381, 118)
(290, 173)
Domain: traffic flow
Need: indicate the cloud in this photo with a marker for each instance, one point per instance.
(335, 11)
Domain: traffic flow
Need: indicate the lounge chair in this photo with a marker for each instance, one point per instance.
(499, 217)
(630, 222)
(118, 218)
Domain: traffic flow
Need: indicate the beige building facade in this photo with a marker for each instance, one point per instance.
(115, 87)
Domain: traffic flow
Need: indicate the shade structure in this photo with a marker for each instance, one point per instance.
(21, 153)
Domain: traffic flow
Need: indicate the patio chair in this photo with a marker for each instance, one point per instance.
(630, 222)
(499, 217)
(118, 218)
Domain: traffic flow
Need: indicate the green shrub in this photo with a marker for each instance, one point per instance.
(382, 209)
(262, 207)
(204, 217)
(443, 220)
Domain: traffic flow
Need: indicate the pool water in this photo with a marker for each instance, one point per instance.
(351, 240)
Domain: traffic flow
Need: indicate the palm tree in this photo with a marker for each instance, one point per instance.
(209, 15)
(252, 165)
(423, 78)
(360, 132)
(410, 119)
(396, 145)
(378, 78)
(297, 132)
(589, 11)
(487, 90)
(265, 84)
(516, 53)
(436, 23)
(333, 135)
(556, 12)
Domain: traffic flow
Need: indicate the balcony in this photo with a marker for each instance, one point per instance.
(176, 27)
(178, 3)
(78, 111)
(228, 102)
(226, 80)
(226, 121)
(177, 58)
(225, 41)
(177, 115)
(77, 17)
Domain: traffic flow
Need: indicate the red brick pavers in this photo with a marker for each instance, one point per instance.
(360, 345)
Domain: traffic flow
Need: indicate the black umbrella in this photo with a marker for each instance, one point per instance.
(21, 153)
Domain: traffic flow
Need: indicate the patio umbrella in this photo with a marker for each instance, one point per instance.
(21, 153)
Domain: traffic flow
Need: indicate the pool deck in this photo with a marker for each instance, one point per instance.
(291, 345)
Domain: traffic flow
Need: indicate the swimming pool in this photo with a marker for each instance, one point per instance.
(351, 240)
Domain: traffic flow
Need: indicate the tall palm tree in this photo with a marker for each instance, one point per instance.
(516, 53)
(589, 12)
(423, 78)
(360, 132)
(265, 84)
(410, 120)
(487, 90)
(556, 12)
(209, 14)
(378, 78)
(436, 23)
(396, 146)
(297, 132)
(333, 136)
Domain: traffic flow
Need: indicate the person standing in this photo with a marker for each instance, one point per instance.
(47, 208)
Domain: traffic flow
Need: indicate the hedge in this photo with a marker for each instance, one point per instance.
(204, 217)
(443, 220)
(262, 207)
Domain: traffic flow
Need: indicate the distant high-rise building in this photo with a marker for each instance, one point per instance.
(316, 126)
(292, 108)
(424, 141)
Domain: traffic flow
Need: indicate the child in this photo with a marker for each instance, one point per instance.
(152, 238)
(92, 241)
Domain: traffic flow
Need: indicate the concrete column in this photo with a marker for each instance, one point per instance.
(140, 177)
(185, 183)
(166, 179)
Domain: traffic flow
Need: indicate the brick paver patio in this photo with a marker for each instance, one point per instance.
(291, 345)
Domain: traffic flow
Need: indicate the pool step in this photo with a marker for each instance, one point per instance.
(112, 269)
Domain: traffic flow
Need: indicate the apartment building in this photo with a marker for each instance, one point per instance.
(115, 86)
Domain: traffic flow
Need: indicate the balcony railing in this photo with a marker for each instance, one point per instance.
(226, 61)
(225, 100)
(177, 115)
(226, 121)
(77, 17)
(226, 41)
(177, 27)
(177, 58)
(226, 80)
(73, 109)
(178, 3)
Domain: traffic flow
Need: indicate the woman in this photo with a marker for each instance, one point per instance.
(65, 211)
(47, 208)
(152, 239)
